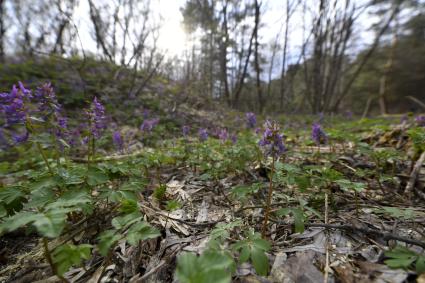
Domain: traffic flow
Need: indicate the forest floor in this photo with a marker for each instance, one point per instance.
(351, 210)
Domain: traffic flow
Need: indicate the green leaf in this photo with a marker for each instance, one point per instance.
(9, 195)
(95, 177)
(107, 239)
(173, 205)
(261, 244)
(141, 231)
(40, 197)
(186, 268)
(18, 220)
(260, 261)
(399, 262)
(129, 206)
(245, 254)
(298, 220)
(68, 255)
(159, 192)
(126, 220)
(51, 224)
(47, 182)
(420, 264)
(211, 267)
(400, 257)
(72, 199)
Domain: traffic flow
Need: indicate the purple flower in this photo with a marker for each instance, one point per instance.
(97, 118)
(25, 92)
(272, 141)
(234, 138)
(203, 134)
(12, 105)
(251, 120)
(118, 141)
(420, 120)
(148, 125)
(46, 98)
(185, 131)
(223, 135)
(318, 135)
(74, 137)
(62, 125)
(146, 113)
(20, 138)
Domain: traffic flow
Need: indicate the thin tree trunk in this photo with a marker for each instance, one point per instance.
(2, 30)
(383, 83)
(257, 59)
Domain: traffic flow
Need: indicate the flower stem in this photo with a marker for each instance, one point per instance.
(50, 261)
(269, 200)
(40, 149)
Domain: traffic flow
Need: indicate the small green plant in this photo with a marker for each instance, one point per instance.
(211, 266)
(401, 257)
(254, 248)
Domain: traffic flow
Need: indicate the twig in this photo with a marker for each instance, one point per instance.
(414, 175)
(325, 279)
(150, 272)
(205, 224)
(384, 236)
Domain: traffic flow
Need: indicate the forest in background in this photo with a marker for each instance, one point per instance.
(333, 69)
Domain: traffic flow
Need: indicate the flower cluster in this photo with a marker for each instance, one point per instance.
(203, 134)
(223, 135)
(97, 118)
(46, 98)
(251, 120)
(148, 125)
(318, 135)
(13, 105)
(20, 103)
(118, 141)
(420, 120)
(185, 131)
(272, 141)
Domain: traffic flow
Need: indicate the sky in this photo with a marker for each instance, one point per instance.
(173, 38)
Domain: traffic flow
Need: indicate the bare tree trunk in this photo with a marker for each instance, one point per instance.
(383, 83)
(285, 49)
(257, 59)
(240, 83)
(367, 56)
(99, 33)
(2, 30)
(223, 57)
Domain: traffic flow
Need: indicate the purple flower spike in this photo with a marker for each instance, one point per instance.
(234, 138)
(223, 135)
(272, 141)
(97, 118)
(46, 98)
(148, 125)
(203, 134)
(185, 131)
(420, 120)
(20, 138)
(318, 135)
(13, 107)
(118, 141)
(251, 120)
(24, 91)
